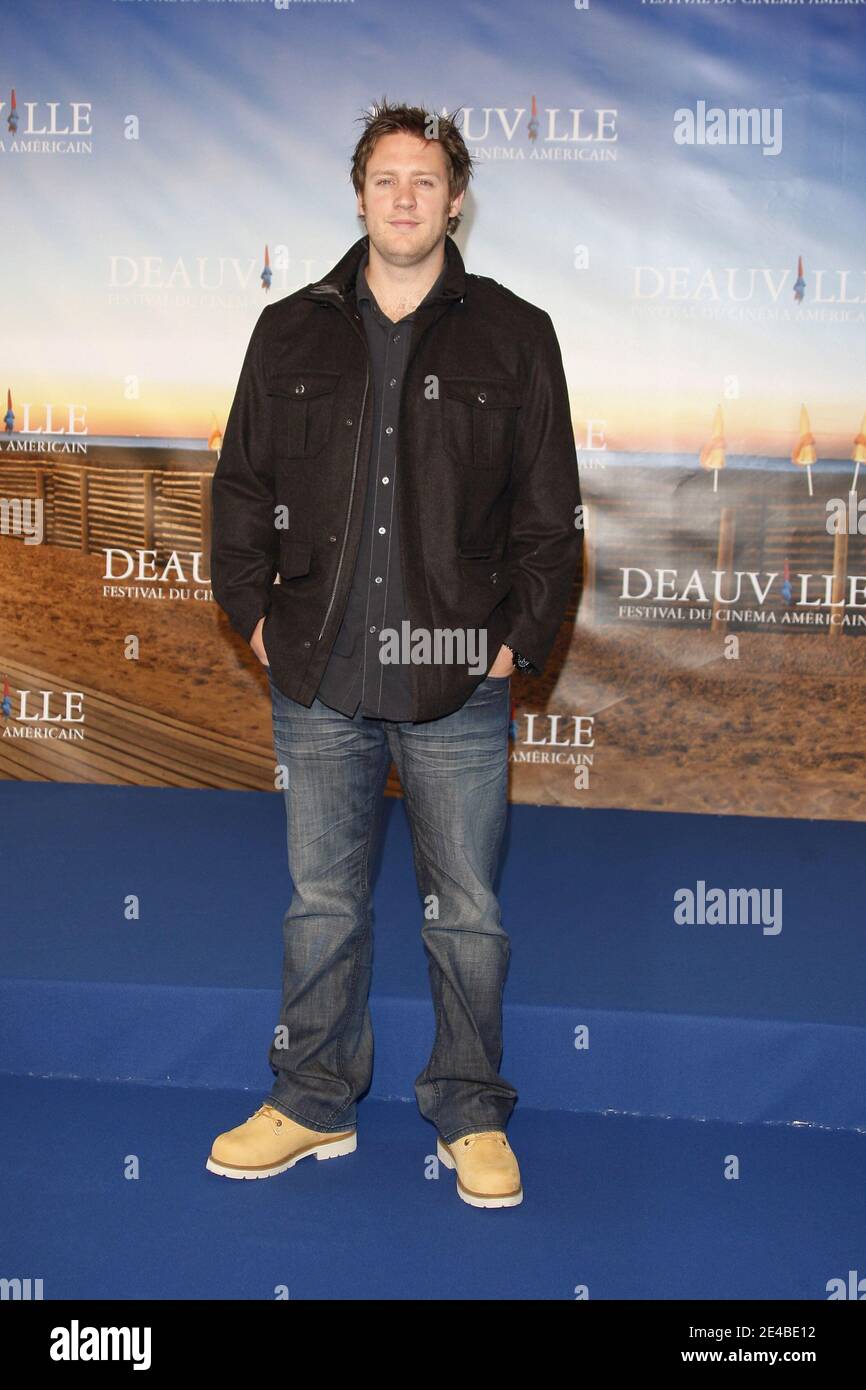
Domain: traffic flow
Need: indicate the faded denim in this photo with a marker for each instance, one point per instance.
(454, 774)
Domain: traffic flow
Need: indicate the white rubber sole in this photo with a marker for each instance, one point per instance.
(475, 1199)
(328, 1149)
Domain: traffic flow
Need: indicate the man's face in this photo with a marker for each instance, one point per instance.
(406, 200)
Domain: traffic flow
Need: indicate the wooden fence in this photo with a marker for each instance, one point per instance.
(90, 507)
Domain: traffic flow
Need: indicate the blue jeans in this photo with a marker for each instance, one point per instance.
(453, 772)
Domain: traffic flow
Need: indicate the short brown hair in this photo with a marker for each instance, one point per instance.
(384, 119)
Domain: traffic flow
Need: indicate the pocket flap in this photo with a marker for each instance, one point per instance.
(494, 575)
(302, 385)
(483, 393)
(295, 557)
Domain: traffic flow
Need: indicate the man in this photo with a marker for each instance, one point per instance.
(400, 452)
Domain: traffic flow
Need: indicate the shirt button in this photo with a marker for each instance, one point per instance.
(393, 381)
(381, 530)
(386, 480)
(349, 422)
(389, 429)
(332, 539)
(396, 337)
(372, 629)
(378, 579)
(306, 644)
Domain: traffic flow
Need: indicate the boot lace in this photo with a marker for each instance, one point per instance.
(269, 1112)
(469, 1140)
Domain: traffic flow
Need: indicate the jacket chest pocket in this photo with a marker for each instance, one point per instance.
(479, 416)
(304, 406)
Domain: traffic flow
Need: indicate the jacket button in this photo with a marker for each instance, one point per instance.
(306, 644)
(332, 538)
(494, 577)
(349, 422)
(482, 397)
(300, 388)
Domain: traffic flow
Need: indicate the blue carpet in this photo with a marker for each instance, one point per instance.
(631, 1208)
(145, 1038)
(691, 1021)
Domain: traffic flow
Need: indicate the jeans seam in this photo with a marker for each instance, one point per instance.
(365, 889)
(340, 1073)
(437, 1107)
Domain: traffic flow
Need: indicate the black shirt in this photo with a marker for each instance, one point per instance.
(354, 674)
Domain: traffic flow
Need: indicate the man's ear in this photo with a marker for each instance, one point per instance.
(456, 204)
(360, 205)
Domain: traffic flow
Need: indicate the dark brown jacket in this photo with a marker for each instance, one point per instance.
(487, 485)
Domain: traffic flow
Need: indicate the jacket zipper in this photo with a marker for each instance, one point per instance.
(352, 490)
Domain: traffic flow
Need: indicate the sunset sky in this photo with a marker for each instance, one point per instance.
(140, 262)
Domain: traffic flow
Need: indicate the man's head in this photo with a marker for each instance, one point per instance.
(410, 170)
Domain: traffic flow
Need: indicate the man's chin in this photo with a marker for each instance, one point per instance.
(404, 248)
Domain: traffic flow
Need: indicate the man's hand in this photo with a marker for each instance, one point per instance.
(504, 663)
(257, 644)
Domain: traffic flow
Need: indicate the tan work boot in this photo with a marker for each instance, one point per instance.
(269, 1142)
(487, 1171)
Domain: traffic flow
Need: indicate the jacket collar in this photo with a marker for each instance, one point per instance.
(340, 279)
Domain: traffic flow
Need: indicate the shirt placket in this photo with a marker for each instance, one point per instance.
(378, 588)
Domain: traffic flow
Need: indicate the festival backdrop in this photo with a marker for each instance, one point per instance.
(681, 186)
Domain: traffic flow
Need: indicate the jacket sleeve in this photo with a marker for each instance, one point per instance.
(545, 546)
(244, 537)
